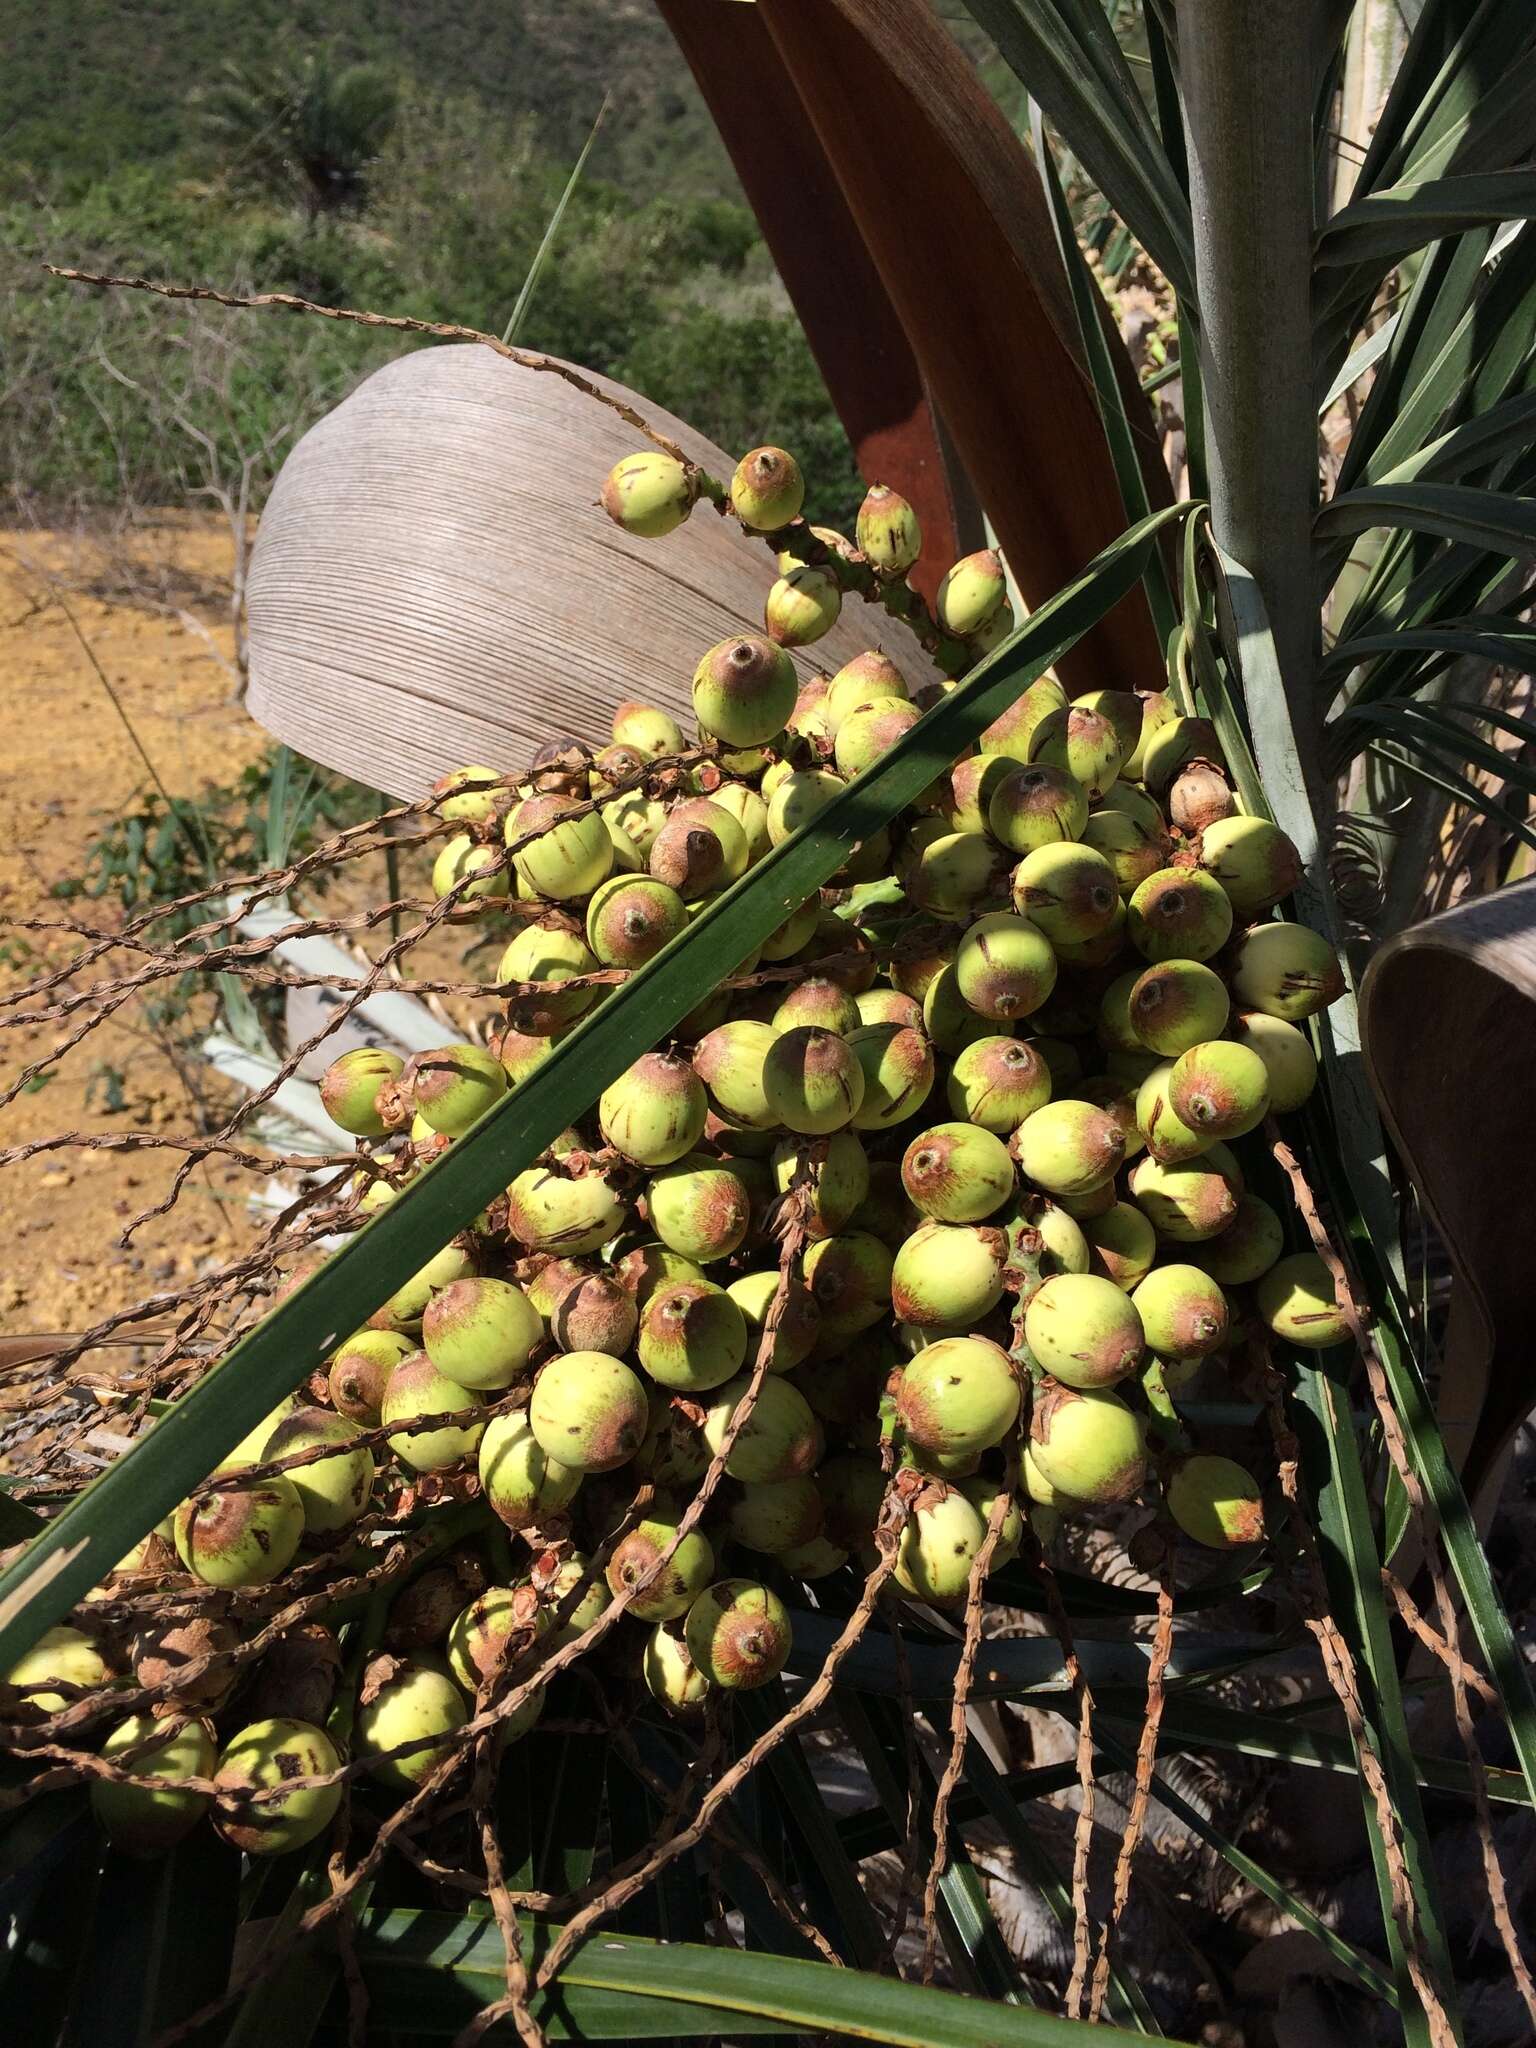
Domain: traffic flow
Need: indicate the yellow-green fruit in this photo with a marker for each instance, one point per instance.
(521, 1482)
(890, 535)
(1188, 1200)
(588, 1411)
(982, 1493)
(1121, 1245)
(481, 1332)
(555, 1212)
(334, 1491)
(455, 1085)
(595, 1601)
(1129, 830)
(629, 919)
(863, 738)
(416, 1702)
(799, 1323)
(817, 1559)
(958, 1395)
(145, 1821)
(633, 823)
(1168, 751)
(1286, 1053)
(699, 1207)
(970, 593)
(938, 1545)
(1219, 1089)
(802, 606)
(417, 1390)
(1183, 1312)
(957, 1173)
(646, 729)
(1157, 710)
(1166, 1136)
(820, 1003)
(767, 489)
(967, 792)
(1247, 1248)
(729, 1061)
(461, 858)
(1069, 1148)
(1004, 967)
(1297, 1299)
(1286, 971)
(1088, 1444)
(1084, 1330)
(655, 1111)
(1175, 1005)
(1069, 891)
(349, 1089)
(265, 1757)
(660, 1592)
(1122, 710)
(692, 1336)
(1179, 914)
(671, 1677)
(948, 1019)
(1215, 1502)
(1036, 805)
(870, 678)
(897, 1064)
(742, 803)
(796, 930)
(649, 494)
(1252, 859)
(559, 849)
(995, 1083)
(59, 1656)
(1009, 733)
(951, 874)
(547, 954)
(722, 822)
(947, 1276)
(991, 635)
(832, 1186)
(738, 1634)
(501, 1620)
(780, 1439)
(812, 1081)
(850, 1277)
(408, 1304)
(240, 1536)
(1039, 1488)
(1080, 743)
(471, 793)
(784, 1515)
(802, 795)
(743, 690)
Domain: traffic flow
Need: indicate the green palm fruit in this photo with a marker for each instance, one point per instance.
(630, 918)
(966, 793)
(802, 606)
(1034, 805)
(547, 954)
(64, 1656)
(743, 690)
(673, 1453)
(800, 797)
(1247, 1248)
(692, 1336)
(649, 731)
(407, 1706)
(938, 1546)
(461, 858)
(970, 593)
(921, 957)
(832, 1185)
(742, 803)
(897, 1064)
(1067, 890)
(953, 873)
(263, 1758)
(1005, 968)
(812, 1081)
(1084, 1330)
(1128, 829)
(588, 1411)
(799, 1322)
(496, 1626)
(1188, 1200)
(957, 1173)
(1157, 710)
(869, 733)
(1176, 1005)
(655, 1111)
(849, 1276)
(1117, 1098)
(333, 1491)
(644, 1267)
(1287, 1055)
(240, 1535)
(817, 1559)
(778, 1440)
(982, 1493)
(1048, 1232)
(841, 952)
(614, 765)
(889, 533)
(560, 850)
(820, 1004)
(1285, 971)
(738, 1634)
(947, 1276)
(523, 1486)
(545, 1287)
(1087, 1444)
(481, 1332)
(596, 1313)
(1220, 1089)
(993, 633)
(1096, 1202)
(1167, 1137)
(958, 1395)
(551, 1211)
(1252, 859)
(795, 932)
(688, 856)
(1179, 914)
(722, 822)
(870, 678)
(1101, 947)
(995, 1083)
(1112, 1026)
(1069, 1147)
(649, 494)
(767, 489)
(1121, 1245)
(633, 823)
(417, 1389)
(699, 1207)
(660, 1592)
(1010, 732)
(1081, 744)
(1040, 1490)
(145, 1821)
(360, 1370)
(1215, 1502)
(729, 1061)
(520, 1053)
(1176, 743)
(671, 1676)
(948, 1020)
(595, 1601)
(349, 1089)
(1122, 710)
(454, 1085)
(1183, 1312)
(472, 794)
(1297, 1299)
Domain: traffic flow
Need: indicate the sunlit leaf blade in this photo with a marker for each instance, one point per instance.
(1513, 647)
(1391, 224)
(1359, 360)
(551, 231)
(82, 1544)
(1495, 520)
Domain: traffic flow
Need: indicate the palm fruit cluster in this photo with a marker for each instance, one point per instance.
(1001, 1083)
